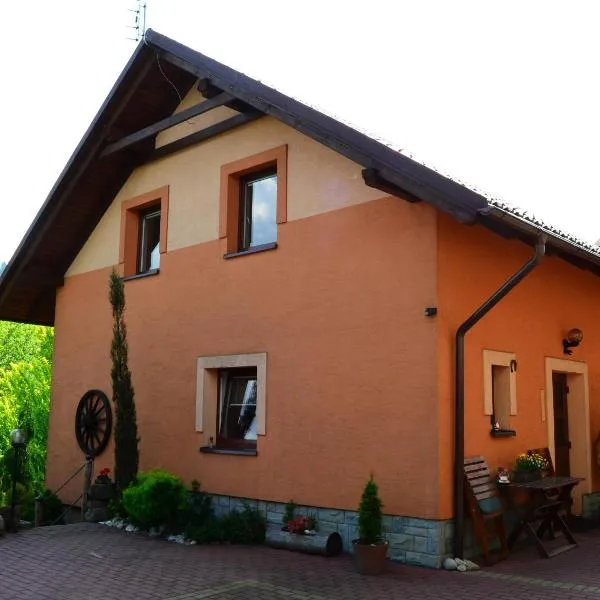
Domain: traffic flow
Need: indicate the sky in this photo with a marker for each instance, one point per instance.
(504, 96)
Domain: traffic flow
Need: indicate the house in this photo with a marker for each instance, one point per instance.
(297, 294)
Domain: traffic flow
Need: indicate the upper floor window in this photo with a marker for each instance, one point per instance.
(143, 232)
(253, 201)
(258, 209)
(149, 249)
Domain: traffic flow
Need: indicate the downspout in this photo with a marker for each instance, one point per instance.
(459, 414)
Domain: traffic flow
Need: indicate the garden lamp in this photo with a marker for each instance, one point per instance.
(18, 439)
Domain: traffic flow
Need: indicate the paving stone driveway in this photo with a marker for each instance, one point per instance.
(88, 562)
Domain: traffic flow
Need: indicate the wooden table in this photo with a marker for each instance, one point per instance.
(548, 500)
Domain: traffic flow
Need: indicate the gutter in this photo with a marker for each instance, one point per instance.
(459, 413)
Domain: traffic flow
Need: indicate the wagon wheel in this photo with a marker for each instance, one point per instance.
(93, 423)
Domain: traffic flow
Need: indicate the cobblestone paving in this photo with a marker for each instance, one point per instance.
(89, 562)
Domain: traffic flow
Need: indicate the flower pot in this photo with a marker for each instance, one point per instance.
(523, 476)
(370, 559)
(102, 491)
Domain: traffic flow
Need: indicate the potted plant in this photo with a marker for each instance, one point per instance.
(528, 467)
(370, 549)
(103, 489)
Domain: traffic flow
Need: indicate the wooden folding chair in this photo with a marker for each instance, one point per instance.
(485, 507)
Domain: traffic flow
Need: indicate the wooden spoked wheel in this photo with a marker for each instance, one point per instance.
(93, 423)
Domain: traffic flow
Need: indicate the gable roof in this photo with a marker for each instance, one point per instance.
(121, 137)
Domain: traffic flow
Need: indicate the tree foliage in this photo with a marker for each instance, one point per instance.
(126, 435)
(25, 378)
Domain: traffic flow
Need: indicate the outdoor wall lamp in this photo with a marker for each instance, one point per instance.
(572, 340)
(18, 439)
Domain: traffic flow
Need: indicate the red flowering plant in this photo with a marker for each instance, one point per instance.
(298, 524)
(303, 525)
(103, 476)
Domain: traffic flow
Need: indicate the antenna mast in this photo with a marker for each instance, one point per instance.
(139, 25)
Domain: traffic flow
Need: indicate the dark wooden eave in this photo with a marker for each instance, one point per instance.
(122, 137)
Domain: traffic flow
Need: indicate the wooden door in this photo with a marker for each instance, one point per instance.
(562, 444)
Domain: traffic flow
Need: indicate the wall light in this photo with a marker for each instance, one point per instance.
(573, 339)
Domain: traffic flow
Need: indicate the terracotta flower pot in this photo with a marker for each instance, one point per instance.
(370, 559)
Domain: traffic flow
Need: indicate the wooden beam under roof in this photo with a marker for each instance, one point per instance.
(204, 134)
(373, 179)
(171, 121)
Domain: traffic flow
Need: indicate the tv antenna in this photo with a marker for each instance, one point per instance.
(139, 25)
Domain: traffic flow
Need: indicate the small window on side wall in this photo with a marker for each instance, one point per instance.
(499, 380)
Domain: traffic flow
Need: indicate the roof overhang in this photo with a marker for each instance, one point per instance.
(122, 137)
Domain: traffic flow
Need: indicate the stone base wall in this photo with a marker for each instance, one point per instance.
(414, 541)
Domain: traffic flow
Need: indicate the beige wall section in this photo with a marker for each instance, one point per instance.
(319, 181)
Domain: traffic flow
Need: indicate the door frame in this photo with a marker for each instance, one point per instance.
(579, 417)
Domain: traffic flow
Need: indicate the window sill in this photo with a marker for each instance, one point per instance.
(234, 451)
(149, 273)
(253, 250)
(500, 433)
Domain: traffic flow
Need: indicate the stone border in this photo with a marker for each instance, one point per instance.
(414, 541)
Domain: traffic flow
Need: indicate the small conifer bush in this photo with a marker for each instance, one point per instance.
(370, 516)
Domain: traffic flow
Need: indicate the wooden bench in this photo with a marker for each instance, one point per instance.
(485, 506)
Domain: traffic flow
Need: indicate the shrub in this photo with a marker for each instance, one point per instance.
(198, 511)
(155, 499)
(52, 507)
(245, 527)
(370, 516)
(116, 509)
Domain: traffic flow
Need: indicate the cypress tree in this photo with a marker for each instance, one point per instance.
(126, 435)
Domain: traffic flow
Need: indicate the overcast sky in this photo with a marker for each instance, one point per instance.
(502, 95)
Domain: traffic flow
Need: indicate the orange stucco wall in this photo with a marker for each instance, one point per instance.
(531, 322)
(338, 307)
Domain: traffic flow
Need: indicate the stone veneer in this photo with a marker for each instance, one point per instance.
(414, 541)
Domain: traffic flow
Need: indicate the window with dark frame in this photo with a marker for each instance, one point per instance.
(149, 245)
(258, 209)
(236, 426)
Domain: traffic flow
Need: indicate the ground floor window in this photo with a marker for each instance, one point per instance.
(237, 407)
(231, 401)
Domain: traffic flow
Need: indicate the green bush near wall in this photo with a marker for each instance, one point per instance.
(155, 499)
